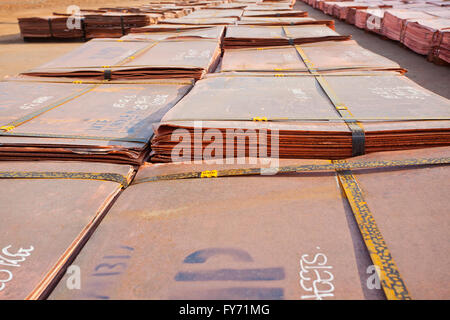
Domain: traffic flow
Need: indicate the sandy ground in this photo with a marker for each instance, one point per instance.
(17, 56)
(428, 75)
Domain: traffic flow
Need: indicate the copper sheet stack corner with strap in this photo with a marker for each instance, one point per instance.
(135, 59)
(327, 56)
(245, 245)
(393, 113)
(264, 36)
(49, 210)
(74, 120)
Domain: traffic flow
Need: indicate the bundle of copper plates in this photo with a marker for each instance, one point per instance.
(55, 26)
(135, 59)
(201, 21)
(74, 120)
(49, 210)
(254, 21)
(422, 36)
(213, 32)
(325, 56)
(268, 14)
(420, 25)
(247, 246)
(114, 25)
(263, 36)
(305, 115)
(162, 27)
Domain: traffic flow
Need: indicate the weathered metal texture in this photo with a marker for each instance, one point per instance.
(135, 59)
(160, 240)
(255, 21)
(326, 56)
(45, 221)
(395, 113)
(263, 36)
(92, 121)
(214, 32)
(49, 27)
(167, 244)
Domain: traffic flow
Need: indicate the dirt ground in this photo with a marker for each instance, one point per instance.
(17, 56)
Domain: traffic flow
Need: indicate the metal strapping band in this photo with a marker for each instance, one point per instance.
(393, 285)
(358, 135)
(306, 168)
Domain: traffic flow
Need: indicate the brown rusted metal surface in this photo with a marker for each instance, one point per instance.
(44, 222)
(228, 237)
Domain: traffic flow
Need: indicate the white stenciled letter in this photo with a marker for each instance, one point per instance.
(373, 281)
(74, 280)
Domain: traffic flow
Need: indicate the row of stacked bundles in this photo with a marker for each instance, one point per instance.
(421, 25)
(99, 151)
(111, 22)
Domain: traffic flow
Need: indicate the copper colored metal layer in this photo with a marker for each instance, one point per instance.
(46, 221)
(88, 121)
(326, 56)
(51, 27)
(389, 107)
(201, 21)
(245, 245)
(263, 36)
(211, 13)
(265, 13)
(214, 32)
(114, 25)
(135, 59)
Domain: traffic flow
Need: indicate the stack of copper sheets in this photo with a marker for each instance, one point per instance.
(422, 36)
(55, 26)
(263, 36)
(394, 113)
(249, 246)
(114, 25)
(268, 14)
(218, 13)
(327, 56)
(394, 21)
(91, 121)
(370, 19)
(135, 59)
(213, 32)
(49, 211)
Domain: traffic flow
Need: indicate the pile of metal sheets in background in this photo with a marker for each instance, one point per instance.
(393, 112)
(55, 26)
(327, 56)
(275, 14)
(215, 13)
(427, 37)
(202, 21)
(49, 211)
(256, 21)
(250, 247)
(419, 25)
(264, 36)
(114, 25)
(73, 120)
(213, 32)
(135, 59)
